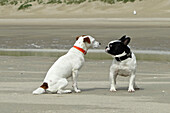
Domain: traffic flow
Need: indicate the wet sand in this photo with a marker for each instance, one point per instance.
(21, 75)
(146, 34)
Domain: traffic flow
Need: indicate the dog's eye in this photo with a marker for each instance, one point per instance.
(110, 45)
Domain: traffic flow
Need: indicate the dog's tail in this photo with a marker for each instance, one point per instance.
(41, 89)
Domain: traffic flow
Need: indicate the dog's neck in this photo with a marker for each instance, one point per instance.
(123, 56)
(81, 44)
(80, 49)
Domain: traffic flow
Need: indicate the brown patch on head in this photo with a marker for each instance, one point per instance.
(44, 85)
(87, 39)
(80, 36)
(77, 37)
(83, 35)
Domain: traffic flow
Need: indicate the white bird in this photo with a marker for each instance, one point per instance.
(134, 12)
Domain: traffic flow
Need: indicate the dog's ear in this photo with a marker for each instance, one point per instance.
(87, 39)
(77, 37)
(80, 36)
(125, 40)
(122, 38)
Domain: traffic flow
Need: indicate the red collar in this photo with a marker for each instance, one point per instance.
(80, 49)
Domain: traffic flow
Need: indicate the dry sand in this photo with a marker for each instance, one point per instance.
(21, 75)
(144, 8)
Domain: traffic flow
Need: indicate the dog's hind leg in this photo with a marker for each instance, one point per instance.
(62, 83)
(59, 87)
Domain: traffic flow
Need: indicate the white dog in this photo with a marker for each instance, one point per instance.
(67, 66)
(124, 63)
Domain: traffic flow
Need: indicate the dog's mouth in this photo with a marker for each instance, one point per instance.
(107, 49)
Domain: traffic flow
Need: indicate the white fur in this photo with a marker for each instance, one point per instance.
(67, 66)
(123, 68)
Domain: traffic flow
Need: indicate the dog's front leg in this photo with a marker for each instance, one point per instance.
(131, 83)
(113, 77)
(74, 77)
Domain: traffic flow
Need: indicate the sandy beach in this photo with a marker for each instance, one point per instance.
(21, 75)
(55, 26)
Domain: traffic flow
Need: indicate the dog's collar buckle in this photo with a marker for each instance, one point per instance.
(80, 49)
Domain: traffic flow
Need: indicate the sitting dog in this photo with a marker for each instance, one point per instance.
(67, 66)
(124, 62)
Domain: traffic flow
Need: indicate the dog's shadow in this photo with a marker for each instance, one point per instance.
(94, 89)
(126, 88)
(107, 89)
(99, 90)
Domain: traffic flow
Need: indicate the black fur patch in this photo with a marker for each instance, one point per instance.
(119, 46)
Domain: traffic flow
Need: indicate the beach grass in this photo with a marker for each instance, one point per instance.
(24, 6)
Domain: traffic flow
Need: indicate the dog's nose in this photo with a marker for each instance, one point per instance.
(100, 43)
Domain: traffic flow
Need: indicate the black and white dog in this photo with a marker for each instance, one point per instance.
(124, 62)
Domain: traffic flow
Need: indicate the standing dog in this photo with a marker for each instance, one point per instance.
(124, 63)
(67, 66)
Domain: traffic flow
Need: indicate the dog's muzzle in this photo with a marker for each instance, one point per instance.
(96, 44)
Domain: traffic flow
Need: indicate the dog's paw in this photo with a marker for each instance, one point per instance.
(38, 91)
(68, 91)
(78, 91)
(131, 90)
(112, 90)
